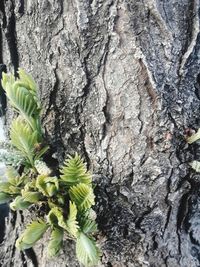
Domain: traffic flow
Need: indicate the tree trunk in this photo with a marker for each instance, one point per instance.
(119, 83)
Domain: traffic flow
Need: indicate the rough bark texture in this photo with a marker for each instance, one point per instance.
(119, 82)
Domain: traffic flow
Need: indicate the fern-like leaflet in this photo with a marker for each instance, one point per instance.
(82, 195)
(74, 172)
(32, 234)
(22, 94)
(24, 139)
(56, 241)
(86, 250)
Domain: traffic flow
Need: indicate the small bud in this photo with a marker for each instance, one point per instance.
(42, 168)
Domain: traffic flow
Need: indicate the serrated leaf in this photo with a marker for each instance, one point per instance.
(55, 243)
(32, 197)
(27, 78)
(32, 234)
(12, 175)
(72, 224)
(14, 190)
(34, 231)
(21, 99)
(22, 94)
(74, 172)
(7, 79)
(48, 186)
(19, 204)
(5, 187)
(21, 245)
(56, 218)
(86, 250)
(30, 186)
(24, 102)
(89, 226)
(82, 195)
(4, 198)
(14, 178)
(23, 138)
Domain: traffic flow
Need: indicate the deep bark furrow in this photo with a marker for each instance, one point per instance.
(11, 36)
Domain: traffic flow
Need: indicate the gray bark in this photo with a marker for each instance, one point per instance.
(119, 83)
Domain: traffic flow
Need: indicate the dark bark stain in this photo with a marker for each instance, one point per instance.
(3, 99)
(182, 211)
(189, 25)
(24, 262)
(30, 253)
(4, 211)
(21, 7)
(57, 144)
(1, 46)
(11, 36)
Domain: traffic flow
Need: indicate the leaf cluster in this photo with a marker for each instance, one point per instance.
(68, 197)
(26, 130)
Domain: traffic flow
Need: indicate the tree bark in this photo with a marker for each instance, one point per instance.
(119, 83)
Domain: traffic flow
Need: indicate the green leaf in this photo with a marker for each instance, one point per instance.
(56, 218)
(21, 245)
(5, 187)
(32, 234)
(32, 197)
(30, 186)
(4, 198)
(19, 204)
(194, 137)
(21, 99)
(14, 190)
(23, 138)
(12, 175)
(41, 152)
(72, 224)
(22, 94)
(74, 172)
(89, 226)
(48, 186)
(86, 250)
(55, 243)
(14, 178)
(7, 79)
(82, 195)
(9, 188)
(28, 80)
